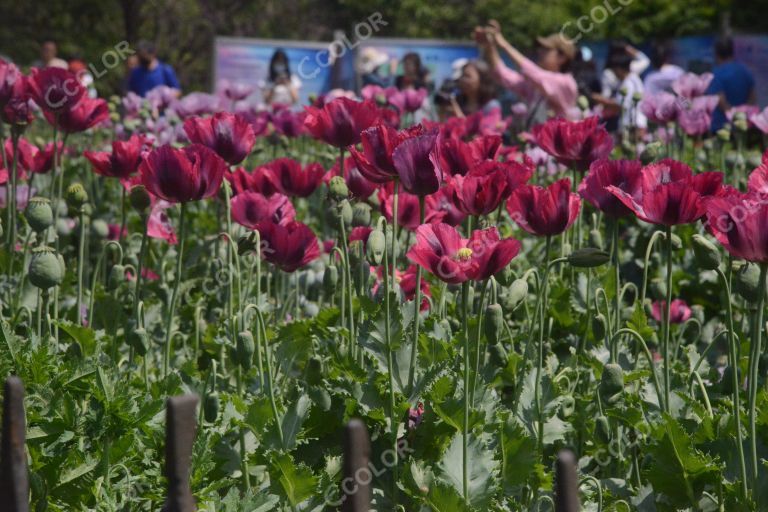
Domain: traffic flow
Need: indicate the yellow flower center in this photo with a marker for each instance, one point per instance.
(464, 253)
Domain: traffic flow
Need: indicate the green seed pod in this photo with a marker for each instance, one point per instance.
(138, 339)
(518, 292)
(589, 257)
(330, 279)
(46, 268)
(361, 215)
(494, 323)
(596, 238)
(313, 372)
(246, 347)
(707, 254)
(76, 196)
(603, 429)
(611, 383)
(116, 277)
(211, 407)
(139, 199)
(321, 397)
(99, 228)
(567, 407)
(746, 282)
(39, 214)
(598, 326)
(375, 247)
(340, 213)
(505, 276)
(651, 153)
(636, 97)
(337, 188)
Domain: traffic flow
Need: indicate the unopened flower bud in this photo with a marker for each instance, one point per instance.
(611, 383)
(494, 323)
(602, 429)
(361, 215)
(589, 257)
(707, 255)
(211, 406)
(330, 279)
(100, 228)
(116, 277)
(245, 349)
(138, 339)
(375, 247)
(596, 238)
(518, 291)
(505, 276)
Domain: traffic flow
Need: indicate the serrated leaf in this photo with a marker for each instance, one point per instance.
(293, 420)
(481, 469)
(297, 482)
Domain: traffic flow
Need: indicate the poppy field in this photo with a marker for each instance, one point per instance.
(481, 296)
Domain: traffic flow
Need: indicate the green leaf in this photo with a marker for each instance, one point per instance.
(518, 454)
(297, 482)
(481, 469)
(293, 420)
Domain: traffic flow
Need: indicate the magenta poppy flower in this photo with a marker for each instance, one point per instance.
(251, 208)
(453, 156)
(758, 178)
(441, 250)
(439, 207)
(407, 207)
(359, 186)
(691, 85)
(55, 90)
(544, 211)
(575, 144)
(43, 160)
(375, 161)
(679, 311)
(407, 282)
(696, 119)
(760, 120)
(123, 161)
(738, 222)
(27, 152)
(82, 116)
(15, 103)
(9, 75)
(235, 91)
(482, 189)
(181, 175)
(340, 121)
(288, 123)
(623, 174)
(231, 136)
(289, 177)
(260, 180)
(669, 193)
(660, 108)
(288, 246)
(415, 167)
(406, 100)
(360, 234)
(159, 225)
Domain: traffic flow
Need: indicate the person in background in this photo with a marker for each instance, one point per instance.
(131, 63)
(151, 72)
(639, 63)
(476, 90)
(622, 104)
(80, 70)
(369, 64)
(48, 56)
(415, 75)
(546, 84)
(732, 82)
(664, 73)
(585, 73)
(282, 87)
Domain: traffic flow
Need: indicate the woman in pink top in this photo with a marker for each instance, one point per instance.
(544, 85)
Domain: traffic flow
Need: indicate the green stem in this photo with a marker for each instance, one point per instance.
(465, 429)
(393, 423)
(243, 452)
(122, 213)
(754, 363)
(80, 265)
(666, 326)
(416, 313)
(540, 348)
(617, 274)
(270, 383)
(175, 292)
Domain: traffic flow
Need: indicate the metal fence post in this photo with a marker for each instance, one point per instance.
(180, 429)
(356, 482)
(566, 483)
(14, 479)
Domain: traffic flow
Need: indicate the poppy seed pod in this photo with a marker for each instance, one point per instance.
(611, 383)
(494, 323)
(588, 257)
(602, 429)
(39, 214)
(375, 247)
(76, 196)
(337, 188)
(211, 407)
(116, 277)
(246, 347)
(140, 199)
(330, 279)
(707, 255)
(518, 291)
(361, 215)
(46, 268)
(341, 213)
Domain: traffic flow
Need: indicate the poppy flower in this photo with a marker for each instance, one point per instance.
(287, 122)
(289, 177)
(181, 175)
(259, 181)
(696, 119)
(679, 312)
(359, 186)
(406, 100)
(575, 144)
(55, 90)
(760, 120)
(360, 234)
(660, 108)
(82, 116)
(339, 122)
(288, 246)
(123, 161)
(758, 179)
(440, 207)
(441, 250)
(623, 174)
(375, 161)
(738, 222)
(27, 152)
(16, 108)
(691, 85)
(43, 159)
(159, 225)
(481, 191)
(544, 211)
(407, 207)
(454, 156)
(669, 193)
(251, 208)
(407, 282)
(9, 74)
(416, 170)
(230, 135)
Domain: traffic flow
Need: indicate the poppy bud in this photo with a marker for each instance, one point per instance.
(341, 213)
(46, 268)
(494, 323)
(138, 339)
(99, 228)
(139, 199)
(598, 326)
(588, 257)
(741, 125)
(314, 371)
(337, 188)
(39, 214)
(707, 255)
(583, 103)
(567, 407)
(330, 279)
(596, 238)
(505, 276)
(443, 329)
(76, 196)
(746, 282)
(245, 350)
(116, 277)
(375, 247)
(611, 383)
(518, 291)
(637, 96)
(498, 354)
(724, 134)
(361, 215)
(321, 397)
(602, 429)
(211, 407)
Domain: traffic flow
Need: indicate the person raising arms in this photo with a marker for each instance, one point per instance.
(546, 84)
